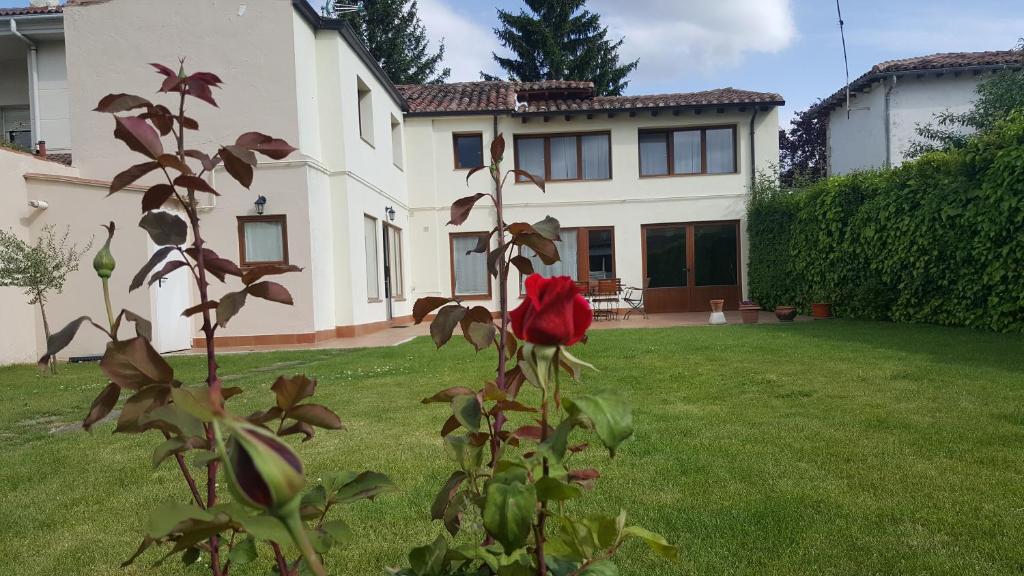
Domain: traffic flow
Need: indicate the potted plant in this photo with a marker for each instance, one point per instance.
(785, 313)
(717, 315)
(749, 312)
(821, 310)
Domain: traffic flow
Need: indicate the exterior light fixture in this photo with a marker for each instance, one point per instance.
(261, 203)
(391, 213)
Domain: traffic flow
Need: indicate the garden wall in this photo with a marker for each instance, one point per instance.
(938, 240)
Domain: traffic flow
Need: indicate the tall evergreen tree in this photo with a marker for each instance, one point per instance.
(561, 40)
(397, 39)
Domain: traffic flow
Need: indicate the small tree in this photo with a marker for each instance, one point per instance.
(802, 149)
(40, 268)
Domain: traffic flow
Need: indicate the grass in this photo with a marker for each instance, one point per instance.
(816, 448)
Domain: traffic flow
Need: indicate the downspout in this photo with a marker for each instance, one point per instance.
(753, 153)
(888, 135)
(33, 71)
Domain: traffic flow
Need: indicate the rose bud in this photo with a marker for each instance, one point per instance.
(104, 263)
(265, 473)
(553, 312)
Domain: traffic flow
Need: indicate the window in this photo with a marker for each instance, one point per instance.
(565, 156)
(396, 141)
(262, 240)
(16, 126)
(666, 255)
(470, 278)
(396, 288)
(365, 111)
(585, 254)
(714, 254)
(469, 150)
(370, 244)
(688, 151)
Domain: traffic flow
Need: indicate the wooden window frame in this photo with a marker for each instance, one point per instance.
(455, 149)
(670, 143)
(243, 262)
(451, 255)
(400, 296)
(547, 154)
(583, 253)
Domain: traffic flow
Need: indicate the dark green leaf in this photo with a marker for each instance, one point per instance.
(367, 485)
(508, 513)
(447, 394)
(600, 568)
(243, 552)
(548, 228)
(228, 306)
(655, 541)
(445, 494)
(102, 405)
(164, 228)
(164, 519)
(159, 256)
(140, 404)
(429, 560)
(611, 418)
(444, 324)
(467, 411)
(549, 488)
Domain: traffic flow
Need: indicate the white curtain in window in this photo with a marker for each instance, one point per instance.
(568, 258)
(686, 148)
(563, 158)
(530, 155)
(470, 269)
(395, 261)
(596, 161)
(721, 151)
(372, 275)
(264, 242)
(653, 154)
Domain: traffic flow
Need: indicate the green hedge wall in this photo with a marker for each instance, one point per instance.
(937, 240)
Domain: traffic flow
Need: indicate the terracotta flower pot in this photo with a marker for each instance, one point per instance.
(821, 310)
(750, 313)
(785, 313)
(717, 316)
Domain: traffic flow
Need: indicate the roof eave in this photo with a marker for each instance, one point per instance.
(626, 109)
(318, 22)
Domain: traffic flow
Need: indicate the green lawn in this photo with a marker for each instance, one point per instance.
(814, 448)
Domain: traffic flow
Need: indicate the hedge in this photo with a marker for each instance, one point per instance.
(938, 240)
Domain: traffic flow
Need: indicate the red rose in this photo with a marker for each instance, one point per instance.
(553, 312)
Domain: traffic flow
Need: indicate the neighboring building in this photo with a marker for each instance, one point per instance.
(644, 186)
(890, 101)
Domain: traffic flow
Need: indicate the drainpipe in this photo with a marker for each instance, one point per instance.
(33, 71)
(753, 153)
(888, 135)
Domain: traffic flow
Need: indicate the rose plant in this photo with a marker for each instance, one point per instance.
(516, 486)
(266, 475)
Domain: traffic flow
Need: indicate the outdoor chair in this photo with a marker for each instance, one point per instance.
(636, 298)
(606, 298)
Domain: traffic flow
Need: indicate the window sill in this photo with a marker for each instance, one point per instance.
(246, 266)
(368, 143)
(474, 297)
(576, 181)
(657, 176)
(466, 169)
(373, 300)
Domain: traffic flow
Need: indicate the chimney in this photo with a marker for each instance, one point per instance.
(41, 149)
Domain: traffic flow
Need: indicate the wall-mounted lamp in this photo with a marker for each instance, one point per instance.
(39, 204)
(390, 212)
(261, 203)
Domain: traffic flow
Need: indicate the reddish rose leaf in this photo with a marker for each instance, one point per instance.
(140, 277)
(223, 267)
(172, 84)
(134, 363)
(206, 78)
(474, 171)
(298, 428)
(528, 432)
(200, 90)
(498, 148)
(156, 196)
(291, 391)
(228, 306)
(164, 70)
(194, 183)
(253, 274)
(523, 264)
(172, 161)
(446, 494)
(138, 135)
(188, 123)
(161, 118)
(207, 162)
(237, 168)
(483, 244)
(545, 249)
(523, 175)
(425, 306)
(167, 269)
(548, 228)
(102, 405)
(270, 291)
(114, 103)
(210, 305)
(447, 394)
(263, 417)
(444, 324)
(511, 406)
(450, 425)
(59, 340)
(315, 415)
(273, 148)
(462, 208)
(129, 176)
(577, 448)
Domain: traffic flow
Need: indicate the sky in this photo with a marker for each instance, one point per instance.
(791, 47)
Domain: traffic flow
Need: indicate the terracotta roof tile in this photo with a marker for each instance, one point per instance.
(31, 10)
(557, 96)
(933, 62)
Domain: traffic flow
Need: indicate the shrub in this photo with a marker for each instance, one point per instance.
(935, 240)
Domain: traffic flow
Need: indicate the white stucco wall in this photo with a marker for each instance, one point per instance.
(859, 142)
(626, 202)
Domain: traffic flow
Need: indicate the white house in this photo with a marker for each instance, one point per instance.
(644, 186)
(889, 102)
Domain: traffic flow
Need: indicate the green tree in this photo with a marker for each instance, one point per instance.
(40, 268)
(561, 40)
(802, 149)
(397, 39)
(998, 96)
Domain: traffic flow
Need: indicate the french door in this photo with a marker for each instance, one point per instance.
(690, 264)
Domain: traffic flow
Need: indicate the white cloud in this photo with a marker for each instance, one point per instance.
(675, 38)
(468, 44)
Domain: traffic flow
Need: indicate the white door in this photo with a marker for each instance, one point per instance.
(170, 296)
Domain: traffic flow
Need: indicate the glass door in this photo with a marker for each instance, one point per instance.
(691, 264)
(666, 254)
